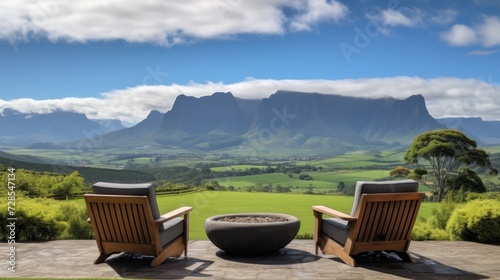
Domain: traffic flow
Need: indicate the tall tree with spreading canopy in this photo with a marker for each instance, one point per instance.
(445, 151)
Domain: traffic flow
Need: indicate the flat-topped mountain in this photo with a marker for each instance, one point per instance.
(285, 120)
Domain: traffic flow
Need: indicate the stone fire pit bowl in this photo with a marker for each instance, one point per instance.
(251, 233)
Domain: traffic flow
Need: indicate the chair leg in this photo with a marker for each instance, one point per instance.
(158, 260)
(174, 249)
(102, 257)
(330, 247)
(346, 258)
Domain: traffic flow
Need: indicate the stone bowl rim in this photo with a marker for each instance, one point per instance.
(290, 218)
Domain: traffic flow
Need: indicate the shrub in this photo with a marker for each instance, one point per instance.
(428, 231)
(434, 228)
(477, 220)
(30, 228)
(80, 229)
(41, 219)
(77, 225)
(442, 213)
(305, 235)
(487, 195)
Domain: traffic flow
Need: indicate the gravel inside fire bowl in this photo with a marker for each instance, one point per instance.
(253, 219)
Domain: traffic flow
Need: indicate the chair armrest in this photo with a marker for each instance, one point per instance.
(331, 212)
(173, 214)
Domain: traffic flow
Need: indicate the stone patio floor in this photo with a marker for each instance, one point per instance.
(432, 260)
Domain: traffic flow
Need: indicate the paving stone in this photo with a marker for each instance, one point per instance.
(432, 260)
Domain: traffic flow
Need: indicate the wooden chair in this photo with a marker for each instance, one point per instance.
(129, 223)
(381, 219)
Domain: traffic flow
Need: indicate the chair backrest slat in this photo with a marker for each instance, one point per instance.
(122, 222)
(142, 226)
(101, 208)
(378, 209)
(396, 221)
(112, 221)
(387, 221)
(130, 223)
(122, 236)
(404, 220)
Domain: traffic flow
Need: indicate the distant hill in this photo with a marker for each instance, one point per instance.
(138, 135)
(24, 158)
(19, 129)
(90, 174)
(484, 132)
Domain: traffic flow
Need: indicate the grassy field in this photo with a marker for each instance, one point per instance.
(323, 182)
(360, 159)
(207, 204)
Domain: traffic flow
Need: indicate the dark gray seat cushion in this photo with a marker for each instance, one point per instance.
(172, 229)
(338, 229)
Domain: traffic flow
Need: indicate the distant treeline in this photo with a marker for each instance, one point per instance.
(90, 174)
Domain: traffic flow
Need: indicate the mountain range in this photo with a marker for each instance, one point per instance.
(20, 129)
(285, 121)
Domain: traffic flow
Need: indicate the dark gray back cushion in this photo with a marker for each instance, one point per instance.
(146, 189)
(381, 187)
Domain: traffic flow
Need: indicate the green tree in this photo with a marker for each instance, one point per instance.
(70, 185)
(400, 171)
(305, 176)
(341, 186)
(445, 151)
(467, 180)
(309, 189)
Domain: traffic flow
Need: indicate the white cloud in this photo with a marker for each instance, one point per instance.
(460, 35)
(157, 21)
(444, 16)
(486, 33)
(444, 96)
(395, 18)
(317, 11)
(489, 31)
(407, 17)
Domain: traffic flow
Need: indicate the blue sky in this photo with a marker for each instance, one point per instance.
(121, 61)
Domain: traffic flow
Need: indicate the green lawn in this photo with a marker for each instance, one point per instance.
(207, 204)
